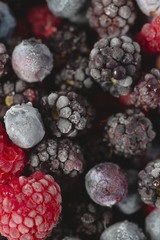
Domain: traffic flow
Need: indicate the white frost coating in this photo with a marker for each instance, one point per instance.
(24, 125)
(152, 224)
(149, 7)
(32, 61)
(65, 8)
(123, 231)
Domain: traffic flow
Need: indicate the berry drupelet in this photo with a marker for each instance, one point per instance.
(57, 157)
(110, 18)
(75, 75)
(66, 113)
(146, 93)
(30, 207)
(106, 184)
(32, 61)
(129, 133)
(149, 183)
(66, 43)
(16, 92)
(123, 230)
(115, 64)
(24, 125)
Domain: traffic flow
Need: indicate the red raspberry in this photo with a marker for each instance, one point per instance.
(43, 22)
(12, 158)
(29, 207)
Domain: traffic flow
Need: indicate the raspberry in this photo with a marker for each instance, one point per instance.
(29, 207)
(12, 158)
(43, 22)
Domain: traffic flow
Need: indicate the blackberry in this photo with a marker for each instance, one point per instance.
(112, 17)
(4, 58)
(66, 113)
(16, 92)
(75, 75)
(149, 183)
(123, 230)
(146, 93)
(66, 43)
(60, 157)
(129, 133)
(115, 64)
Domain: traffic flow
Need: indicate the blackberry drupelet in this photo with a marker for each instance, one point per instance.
(129, 133)
(115, 64)
(149, 183)
(67, 42)
(111, 18)
(17, 92)
(75, 75)
(146, 93)
(66, 113)
(57, 157)
(4, 58)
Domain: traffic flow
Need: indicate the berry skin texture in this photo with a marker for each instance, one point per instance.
(7, 22)
(146, 92)
(152, 223)
(32, 61)
(149, 8)
(29, 207)
(149, 183)
(24, 125)
(129, 133)
(106, 184)
(115, 64)
(123, 231)
(43, 22)
(110, 18)
(12, 158)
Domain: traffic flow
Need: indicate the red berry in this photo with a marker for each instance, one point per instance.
(30, 94)
(147, 209)
(43, 22)
(12, 158)
(29, 207)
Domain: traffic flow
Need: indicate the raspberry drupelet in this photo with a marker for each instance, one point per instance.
(106, 184)
(112, 17)
(146, 93)
(149, 183)
(66, 113)
(57, 157)
(115, 64)
(30, 207)
(129, 133)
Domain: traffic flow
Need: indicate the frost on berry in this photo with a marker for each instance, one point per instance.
(24, 125)
(149, 8)
(152, 223)
(26, 215)
(32, 61)
(106, 184)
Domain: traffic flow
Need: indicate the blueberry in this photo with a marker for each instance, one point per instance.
(148, 7)
(32, 61)
(24, 125)
(152, 223)
(106, 184)
(7, 22)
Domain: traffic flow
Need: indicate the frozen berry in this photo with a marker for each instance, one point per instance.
(129, 133)
(66, 113)
(148, 7)
(146, 93)
(112, 18)
(24, 125)
(149, 183)
(115, 64)
(7, 22)
(30, 207)
(106, 184)
(32, 61)
(152, 223)
(4, 57)
(57, 157)
(43, 22)
(12, 158)
(123, 230)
